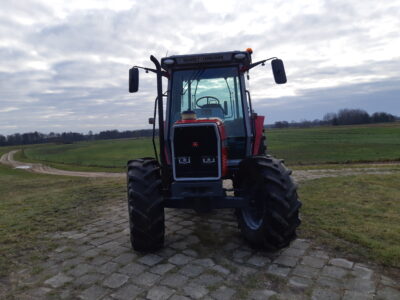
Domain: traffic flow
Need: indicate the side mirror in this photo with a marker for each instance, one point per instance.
(279, 71)
(133, 80)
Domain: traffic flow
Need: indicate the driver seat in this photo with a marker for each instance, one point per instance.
(211, 110)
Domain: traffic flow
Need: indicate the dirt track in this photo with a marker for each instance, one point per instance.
(299, 175)
(8, 159)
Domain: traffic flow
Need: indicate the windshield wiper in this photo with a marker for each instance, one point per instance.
(193, 77)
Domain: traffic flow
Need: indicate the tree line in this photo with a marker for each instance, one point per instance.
(342, 117)
(69, 137)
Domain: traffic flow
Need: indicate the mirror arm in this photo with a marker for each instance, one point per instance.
(163, 73)
(251, 66)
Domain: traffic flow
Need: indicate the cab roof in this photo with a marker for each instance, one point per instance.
(206, 59)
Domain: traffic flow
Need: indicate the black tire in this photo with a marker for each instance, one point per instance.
(271, 220)
(145, 205)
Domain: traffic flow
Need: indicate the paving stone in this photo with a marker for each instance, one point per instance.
(116, 251)
(362, 272)
(195, 291)
(79, 270)
(261, 294)
(186, 223)
(109, 245)
(191, 270)
(39, 293)
(88, 279)
(190, 252)
(223, 293)
(174, 280)
(125, 258)
(150, 259)
(100, 259)
(294, 252)
(305, 271)
(179, 297)
(205, 262)
(360, 285)
(220, 269)
(186, 231)
(72, 262)
(319, 254)
(159, 293)
(162, 269)
(287, 261)
(300, 282)
(388, 293)
(127, 292)
(300, 244)
(390, 282)
(133, 269)
(353, 295)
(166, 252)
(180, 259)
(325, 294)
(335, 272)
(330, 282)
(230, 246)
(94, 292)
(258, 260)
(239, 255)
(179, 245)
(108, 268)
(207, 279)
(192, 239)
(313, 262)
(59, 280)
(278, 270)
(65, 294)
(340, 262)
(115, 280)
(61, 249)
(146, 279)
(243, 270)
(91, 253)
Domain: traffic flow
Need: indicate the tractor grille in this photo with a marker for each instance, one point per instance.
(196, 152)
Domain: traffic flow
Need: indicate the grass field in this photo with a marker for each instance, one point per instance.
(336, 144)
(358, 215)
(340, 144)
(33, 205)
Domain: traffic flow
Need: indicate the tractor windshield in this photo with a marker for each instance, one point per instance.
(211, 93)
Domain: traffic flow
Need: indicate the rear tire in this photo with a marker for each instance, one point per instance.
(272, 217)
(145, 205)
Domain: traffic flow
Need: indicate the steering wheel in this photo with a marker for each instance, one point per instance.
(209, 99)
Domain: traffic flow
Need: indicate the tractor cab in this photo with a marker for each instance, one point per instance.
(212, 87)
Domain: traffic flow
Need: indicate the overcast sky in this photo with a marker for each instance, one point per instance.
(64, 64)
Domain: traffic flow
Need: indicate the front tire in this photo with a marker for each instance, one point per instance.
(271, 219)
(145, 205)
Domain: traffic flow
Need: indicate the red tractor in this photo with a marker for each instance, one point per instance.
(210, 133)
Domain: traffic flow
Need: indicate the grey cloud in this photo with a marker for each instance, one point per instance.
(88, 55)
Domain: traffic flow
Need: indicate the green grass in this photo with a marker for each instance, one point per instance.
(358, 215)
(107, 155)
(336, 144)
(318, 145)
(33, 205)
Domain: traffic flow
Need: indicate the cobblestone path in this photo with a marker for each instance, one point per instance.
(204, 258)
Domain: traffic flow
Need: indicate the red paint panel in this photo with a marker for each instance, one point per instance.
(258, 128)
